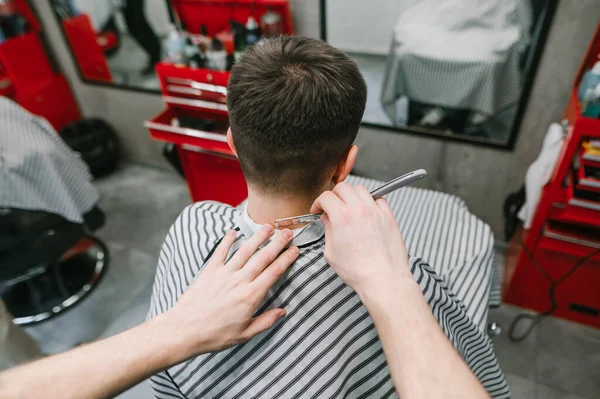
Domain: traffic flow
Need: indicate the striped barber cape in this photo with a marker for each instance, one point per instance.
(327, 345)
(38, 171)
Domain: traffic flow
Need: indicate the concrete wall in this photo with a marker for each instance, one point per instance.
(481, 176)
(350, 29)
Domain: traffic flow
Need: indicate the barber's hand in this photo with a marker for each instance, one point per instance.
(216, 310)
(362, 241)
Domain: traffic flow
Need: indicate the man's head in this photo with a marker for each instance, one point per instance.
(295, 106)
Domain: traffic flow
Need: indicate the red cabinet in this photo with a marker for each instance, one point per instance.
(27, 77)
(54, 101)
(211, 170)
(565, 230)
(86, 48)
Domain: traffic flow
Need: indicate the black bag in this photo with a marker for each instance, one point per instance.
(97, 143)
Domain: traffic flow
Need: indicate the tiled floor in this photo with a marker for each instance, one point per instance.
(559, 360)
(140, 203)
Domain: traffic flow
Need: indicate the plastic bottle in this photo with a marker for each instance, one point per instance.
(252, 31)
(194, 56)
(175, 47)
(217, 56)
(590, 106)
(73, 9)
(588, 84)
(271, 23)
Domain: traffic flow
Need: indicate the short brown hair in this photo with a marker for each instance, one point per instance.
(295, 106)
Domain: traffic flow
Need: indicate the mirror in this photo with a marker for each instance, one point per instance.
(455, 69)
(116, 42)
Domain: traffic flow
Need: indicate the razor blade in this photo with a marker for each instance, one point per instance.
(379, 192)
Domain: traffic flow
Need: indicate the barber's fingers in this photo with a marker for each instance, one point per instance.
(364, 194)
(347, 194)
(326, 202)
(262, 323)
(220, 254)
(265, 280)
(266, 255)
(249, 248)
(383, 205)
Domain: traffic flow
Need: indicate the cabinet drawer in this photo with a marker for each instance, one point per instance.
(574, 239)
(213, 176)
(162, 127)
(193, 88)
(53, 101)
(97, 70)
(25, 62)
(82, 38)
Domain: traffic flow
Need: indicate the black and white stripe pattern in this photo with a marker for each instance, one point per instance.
(38, 171)
(327, 346)
(459, 54)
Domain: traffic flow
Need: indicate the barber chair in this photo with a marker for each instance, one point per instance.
(47, 263)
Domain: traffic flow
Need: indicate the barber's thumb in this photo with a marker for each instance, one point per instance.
(263, 322)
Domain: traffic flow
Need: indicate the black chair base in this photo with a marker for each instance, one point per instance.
(61, 286)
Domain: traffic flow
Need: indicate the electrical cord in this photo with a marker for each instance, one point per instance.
(534, 320)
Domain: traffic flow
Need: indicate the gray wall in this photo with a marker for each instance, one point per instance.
(481, 176)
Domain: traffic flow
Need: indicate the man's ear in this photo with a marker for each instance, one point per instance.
(230, 142)
(345, 165)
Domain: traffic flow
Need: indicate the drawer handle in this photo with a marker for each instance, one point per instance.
(195, 103)
(184, 90)
(199, 85)
(186, 131)
(589, 183)
(572, 240)
(208, 152)
(584, 204)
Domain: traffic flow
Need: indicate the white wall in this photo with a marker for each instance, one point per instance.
(363, 26)
(158, 16)
(100, 10)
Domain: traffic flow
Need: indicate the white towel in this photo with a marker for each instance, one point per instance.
(539, 172)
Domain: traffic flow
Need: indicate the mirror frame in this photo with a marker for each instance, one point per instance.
(104, 84)
(523, 100)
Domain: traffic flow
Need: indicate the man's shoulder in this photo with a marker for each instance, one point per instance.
(210, 207)
(203, 223)
(188, 244)
(202, 212)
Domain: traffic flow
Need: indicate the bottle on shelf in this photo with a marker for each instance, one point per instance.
(589, 92)
(175, 46)
(217, 56)
(195, 57)
(252, 31)
(271, 23)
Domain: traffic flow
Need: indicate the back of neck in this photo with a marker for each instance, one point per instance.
(264, 208)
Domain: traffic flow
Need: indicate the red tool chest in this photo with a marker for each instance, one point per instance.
(211, 170)
(87, 48)
(566, 225)
(27, 77)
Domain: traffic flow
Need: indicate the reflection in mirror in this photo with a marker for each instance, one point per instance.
(453, 68)
(115, 41)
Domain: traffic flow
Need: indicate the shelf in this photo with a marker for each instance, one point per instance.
(161, 128)
(216, 14)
